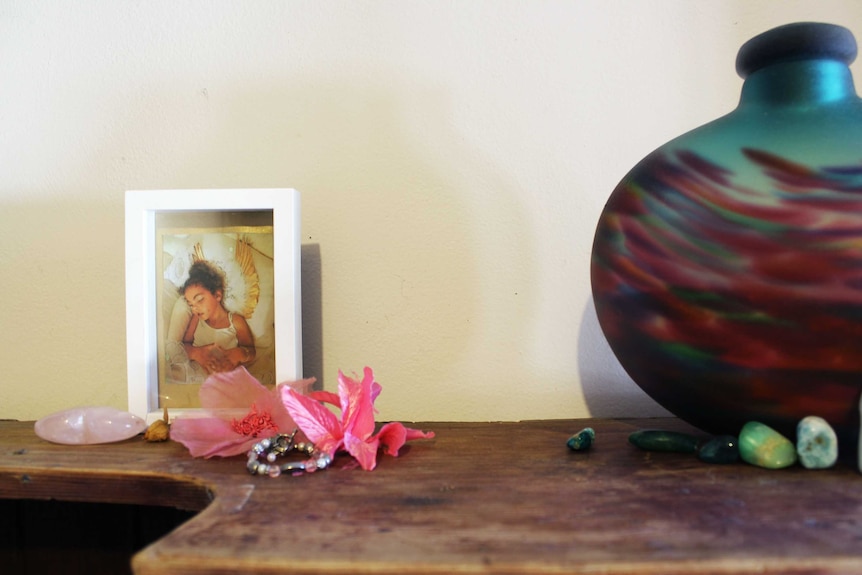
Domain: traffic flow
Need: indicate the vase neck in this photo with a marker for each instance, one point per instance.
(799, 83)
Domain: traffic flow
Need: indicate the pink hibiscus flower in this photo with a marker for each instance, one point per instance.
(237, 412)
(354, 432)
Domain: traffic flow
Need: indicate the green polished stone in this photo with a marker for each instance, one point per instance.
(658, 440)
(762, 446)
(719, 449)
(582, 440)
(816, 443)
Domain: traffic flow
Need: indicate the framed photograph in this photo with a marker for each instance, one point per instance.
(212, 283)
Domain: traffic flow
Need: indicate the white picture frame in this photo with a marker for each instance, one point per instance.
(157, 223)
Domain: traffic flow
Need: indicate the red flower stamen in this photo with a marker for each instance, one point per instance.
(254, 424)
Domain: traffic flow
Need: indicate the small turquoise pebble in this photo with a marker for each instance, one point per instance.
(582, 440)
(719, 449)
(657, 440)
(816, 443)
(762, 446)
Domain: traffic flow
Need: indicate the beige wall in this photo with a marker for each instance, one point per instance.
(453, 158)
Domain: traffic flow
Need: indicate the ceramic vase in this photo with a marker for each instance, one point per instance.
(727, 265)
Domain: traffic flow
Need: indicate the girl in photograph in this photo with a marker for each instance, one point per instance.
(217, 339)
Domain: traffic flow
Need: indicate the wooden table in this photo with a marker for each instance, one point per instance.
(502, 498)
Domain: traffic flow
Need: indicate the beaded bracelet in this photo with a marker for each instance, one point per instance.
(274, 447)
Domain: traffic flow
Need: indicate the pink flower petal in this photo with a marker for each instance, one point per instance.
(316, 421)
(394, 435)
(209, 436)
(275, 406)
(418, 434)
(326, 397)
(363, 450)
(357, 407)
(300, 386)
(234, 389)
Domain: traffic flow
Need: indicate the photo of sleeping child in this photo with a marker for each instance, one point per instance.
(217, 339)
(217, 309)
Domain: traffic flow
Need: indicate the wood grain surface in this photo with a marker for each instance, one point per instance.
(501, 498)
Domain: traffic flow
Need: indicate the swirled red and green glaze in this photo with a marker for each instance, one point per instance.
(728, 301)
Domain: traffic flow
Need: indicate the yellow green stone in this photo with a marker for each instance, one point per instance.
(762, 446)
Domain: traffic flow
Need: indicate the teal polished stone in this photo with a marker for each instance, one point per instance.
(816, 443)
(658, 440)
(719, 449)
(582, 440)
(762, 446)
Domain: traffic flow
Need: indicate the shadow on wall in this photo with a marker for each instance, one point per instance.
(608, 390)
(312, 314)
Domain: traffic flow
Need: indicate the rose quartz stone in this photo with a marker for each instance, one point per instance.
(89, 425)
